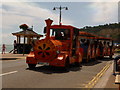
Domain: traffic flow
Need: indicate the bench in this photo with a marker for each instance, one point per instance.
(117, 80)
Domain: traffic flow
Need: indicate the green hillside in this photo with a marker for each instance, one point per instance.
(107, 30)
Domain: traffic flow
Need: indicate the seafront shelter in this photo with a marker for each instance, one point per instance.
(24, 40)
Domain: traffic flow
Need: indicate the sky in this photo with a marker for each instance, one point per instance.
(80, 13)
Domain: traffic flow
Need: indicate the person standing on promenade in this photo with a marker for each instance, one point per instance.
(15, 47)
(116, 64)
(3, 48)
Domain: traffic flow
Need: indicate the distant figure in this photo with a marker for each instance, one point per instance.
(15, 46)
(3, 49)
(116, 64)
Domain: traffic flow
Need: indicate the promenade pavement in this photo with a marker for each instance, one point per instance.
(10, 56)
(108, 79)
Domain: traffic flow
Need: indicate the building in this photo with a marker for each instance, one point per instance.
(24, 39)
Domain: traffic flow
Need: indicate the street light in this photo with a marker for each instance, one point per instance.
(60, 8)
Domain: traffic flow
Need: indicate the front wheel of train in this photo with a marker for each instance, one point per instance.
(67, 65)
(110, 56)
(77, 64)
(88, 59)
(31, 66)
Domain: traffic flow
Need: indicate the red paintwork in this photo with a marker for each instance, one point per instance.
(57, 52)
(31, 58)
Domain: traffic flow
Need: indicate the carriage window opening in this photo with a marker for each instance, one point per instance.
(104, 43)
(82, 42)
(85, 42)
(60, 34)
(110, 43)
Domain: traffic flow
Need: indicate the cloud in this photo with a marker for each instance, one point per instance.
(105, 12)
(5, 35)
(61, 0)
(10, 20)
(17, 13)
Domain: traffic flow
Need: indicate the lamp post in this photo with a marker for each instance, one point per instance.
(60, 8)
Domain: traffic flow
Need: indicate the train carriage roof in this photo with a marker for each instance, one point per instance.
(92, 36)
(87, 35)
(63, 26)
(104, 38)
(82, 33)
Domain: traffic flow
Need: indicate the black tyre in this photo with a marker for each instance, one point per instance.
(88, 59)
(31, 66)
(77, 64)
(95, 58)
(110, 56)
(67, 65)
(101, 57)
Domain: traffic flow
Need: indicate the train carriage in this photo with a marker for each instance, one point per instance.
(88, 45)
(62, 46)
(106, 47)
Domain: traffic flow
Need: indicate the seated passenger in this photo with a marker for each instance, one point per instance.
(101, 47)
(104, 43)
(108, 44)
(84, 45)
(58, 35)
(82, 42)
(87, 43)
(66, 35)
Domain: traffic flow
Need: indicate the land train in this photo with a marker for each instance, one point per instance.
(64, 45)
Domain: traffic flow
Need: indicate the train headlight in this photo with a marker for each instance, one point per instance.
(60, 58)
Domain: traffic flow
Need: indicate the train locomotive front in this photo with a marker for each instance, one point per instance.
(49, 51)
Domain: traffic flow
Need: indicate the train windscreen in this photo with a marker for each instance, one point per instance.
(60, 34)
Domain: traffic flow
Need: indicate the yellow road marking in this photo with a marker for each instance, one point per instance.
(96, 75)
(92, 83)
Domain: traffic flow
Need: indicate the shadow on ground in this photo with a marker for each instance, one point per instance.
(91, 63)
(51, 69)
(107, 59)
(97, 61)
(8, 58)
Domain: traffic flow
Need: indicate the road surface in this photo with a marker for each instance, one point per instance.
(15, 74)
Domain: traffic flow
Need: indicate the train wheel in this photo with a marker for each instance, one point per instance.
(95, 58)
(110, 56)
(77, 64)
(101, 57)
(31, 66)
(88, 59)
(67, 64)
(88, 54)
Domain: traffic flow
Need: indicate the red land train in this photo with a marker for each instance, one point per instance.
(65, 45)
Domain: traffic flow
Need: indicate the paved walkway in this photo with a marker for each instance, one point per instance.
(107, 80)
(10, 56)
